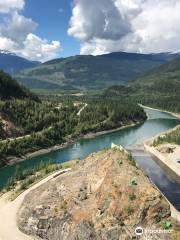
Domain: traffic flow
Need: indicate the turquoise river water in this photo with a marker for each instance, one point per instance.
(131, 138)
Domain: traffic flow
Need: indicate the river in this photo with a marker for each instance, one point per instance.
(131, 138)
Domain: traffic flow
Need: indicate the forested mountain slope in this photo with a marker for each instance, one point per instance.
(45, 124)
(11, 91)
(159, 87)
(11, 63)
(165, 78)
(91, 72)
(10, 88)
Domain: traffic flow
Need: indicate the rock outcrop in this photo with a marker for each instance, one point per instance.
(104, 197)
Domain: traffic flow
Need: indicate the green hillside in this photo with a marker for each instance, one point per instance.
(165, 78)
(90, 72)
(9, 88)
(159, 88)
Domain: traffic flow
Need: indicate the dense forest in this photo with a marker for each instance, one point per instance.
(9, 88)
(34, 116)
(87, 72)
(55, 120)
(168, 100)
(48, 124)
(103, 114)
(1, 130)
(159, 88)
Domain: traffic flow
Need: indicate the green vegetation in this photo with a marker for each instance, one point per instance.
(167, 224)
(134, 182)
(1, 130)
(11, 63)
(28, 175)
(159, 88)
(9, 88)
(172, 137)
(90, 72)
(132, 197)
(34, 116)
(50, 123)
(23, 179)
(102, 115)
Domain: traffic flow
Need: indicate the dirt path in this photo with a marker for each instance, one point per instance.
(9, 209)
(79, 113)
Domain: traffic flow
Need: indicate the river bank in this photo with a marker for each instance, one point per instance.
(166, 159)
(13, 160)
(169, 162)
(176, 115)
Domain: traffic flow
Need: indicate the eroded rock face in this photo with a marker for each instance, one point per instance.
(104, 197)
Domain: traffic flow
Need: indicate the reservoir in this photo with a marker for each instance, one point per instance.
(132, 139)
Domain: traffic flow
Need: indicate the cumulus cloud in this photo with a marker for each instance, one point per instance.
(97, 19)
(8, 5)
(126, 25)
(17, 28)
(16, 34)
(38, 49)
(6, 43)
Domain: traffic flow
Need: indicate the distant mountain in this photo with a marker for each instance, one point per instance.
(11, 63)
(92, 72)
(9, 88)
(159, 88)
(164, 79)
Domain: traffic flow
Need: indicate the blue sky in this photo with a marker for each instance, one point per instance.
(53, 18)
(47, 29)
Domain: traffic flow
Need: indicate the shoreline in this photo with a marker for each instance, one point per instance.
(14, 160)
(176, 115)
(172, 165)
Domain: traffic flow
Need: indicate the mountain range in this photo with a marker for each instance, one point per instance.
(87, 72)
(165, 78)
(159, 88)
(11, 63)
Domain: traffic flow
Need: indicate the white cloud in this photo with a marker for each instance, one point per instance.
(6, 43)
(97, 19)
(126, 25)
(16, 34)
(39, 49)
(17, 28)
(7, 6)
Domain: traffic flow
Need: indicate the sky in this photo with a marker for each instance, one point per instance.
(46, 29)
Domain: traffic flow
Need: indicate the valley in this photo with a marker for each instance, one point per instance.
(83, 73)
(89, 120)
(41, 134)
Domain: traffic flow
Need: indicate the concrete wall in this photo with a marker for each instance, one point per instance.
(174, 167)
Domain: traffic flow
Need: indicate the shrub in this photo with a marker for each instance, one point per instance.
(132, 197)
